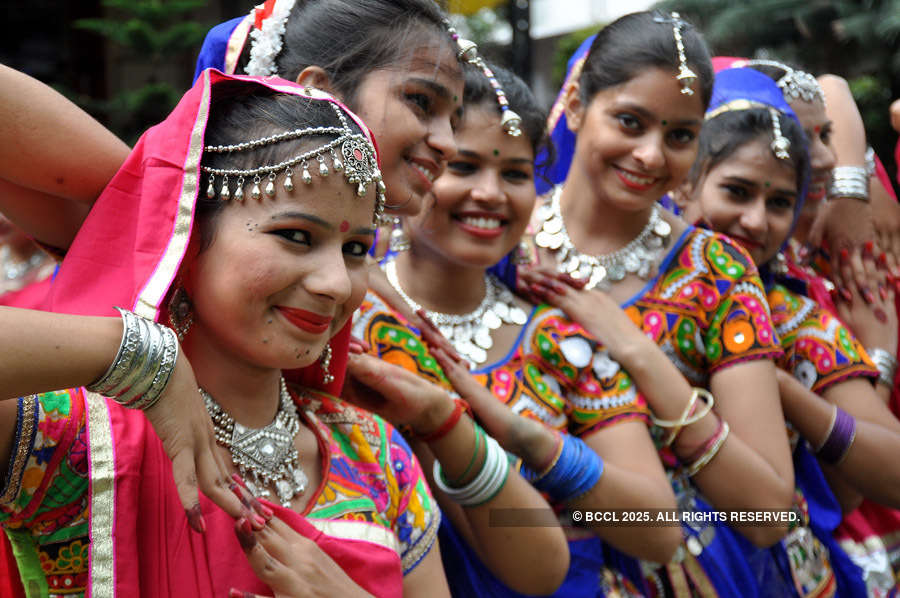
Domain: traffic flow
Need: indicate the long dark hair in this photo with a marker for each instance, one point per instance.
(350, 38)
(639, 41)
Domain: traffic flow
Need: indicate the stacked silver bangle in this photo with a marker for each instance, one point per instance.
(486, 484)
(143, 365)
(886, 364)
(849, 181)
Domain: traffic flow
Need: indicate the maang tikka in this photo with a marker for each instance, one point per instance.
(468, 50)
(350, 153)
(685, 75)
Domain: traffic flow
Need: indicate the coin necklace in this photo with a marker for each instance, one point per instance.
(470, 334)
(265, 455)
(638, 257)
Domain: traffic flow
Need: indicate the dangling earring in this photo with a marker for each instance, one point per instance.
(398, 241)
(325, 361)
(779, 264)
(181, 313)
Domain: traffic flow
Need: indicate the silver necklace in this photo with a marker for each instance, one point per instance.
(16, 270)
(470, 334)
(638, 257)
(264, 456)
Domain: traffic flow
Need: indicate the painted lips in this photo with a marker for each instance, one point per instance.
(306, 320)
(635, 181)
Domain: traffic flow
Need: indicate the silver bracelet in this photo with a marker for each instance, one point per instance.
(886, 364)
(486, 483)
(143, 364)
(849, 181)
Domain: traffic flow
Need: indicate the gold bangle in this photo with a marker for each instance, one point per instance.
(687, 419)
(704, 459)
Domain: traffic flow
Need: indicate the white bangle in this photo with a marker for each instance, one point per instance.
(886, 364)
(486, 483)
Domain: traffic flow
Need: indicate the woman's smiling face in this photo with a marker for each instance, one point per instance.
(283, 274)
(637, 140)
(412, 111)
(484, 199)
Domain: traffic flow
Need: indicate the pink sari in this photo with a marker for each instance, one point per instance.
(128, 253)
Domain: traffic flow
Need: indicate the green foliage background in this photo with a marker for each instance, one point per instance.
(856, 39)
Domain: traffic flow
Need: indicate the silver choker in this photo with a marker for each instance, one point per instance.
(638, 257)
(470, 334)
(266, 455)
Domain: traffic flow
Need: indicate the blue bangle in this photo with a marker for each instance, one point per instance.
(577, 470)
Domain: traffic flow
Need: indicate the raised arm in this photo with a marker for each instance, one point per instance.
(42, 351)
(752, 468)
(52, 152)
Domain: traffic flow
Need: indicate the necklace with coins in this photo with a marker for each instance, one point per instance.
(470, 334)
(264, 456)
(638, 257)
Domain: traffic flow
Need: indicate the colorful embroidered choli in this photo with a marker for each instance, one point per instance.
(818, 348)
(371, 478)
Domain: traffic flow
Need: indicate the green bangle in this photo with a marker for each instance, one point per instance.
(479, 435)
(496, 492)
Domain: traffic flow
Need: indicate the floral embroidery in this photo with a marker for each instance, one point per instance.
(818, 349)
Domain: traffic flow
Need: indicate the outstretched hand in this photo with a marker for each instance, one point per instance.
(396, 394)
(292, 565)
(182, 423)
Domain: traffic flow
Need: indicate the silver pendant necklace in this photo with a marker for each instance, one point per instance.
(638, 257)
(470, 334)
(267, 455)
(16, 270)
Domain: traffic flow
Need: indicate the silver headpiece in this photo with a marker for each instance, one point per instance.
(468, 51)
(794, 84)
(350, 152)
(685, 75)
(780, 145)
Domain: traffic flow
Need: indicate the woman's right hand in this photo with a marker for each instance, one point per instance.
(292, 565)
(396, 394)
(181, 421)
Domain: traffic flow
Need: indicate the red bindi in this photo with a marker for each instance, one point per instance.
(817, 129)
(345, 226)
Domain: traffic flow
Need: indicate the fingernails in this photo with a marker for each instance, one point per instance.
(869, 247)
(845, 255)
(880, 315)
(244, 534)
(558, 288)
(258, 520)
(883, 292)
(235, 593)
(867, 295)
(539, 289)
(355, 348)
(846, 295)
(575, 282)
(882, 260)
(262, 509)
(196, 520)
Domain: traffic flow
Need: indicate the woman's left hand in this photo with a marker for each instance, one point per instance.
(292, 565)
(594, 310)
(398, 395)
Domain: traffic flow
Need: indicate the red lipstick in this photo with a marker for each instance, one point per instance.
(747, 243)
(306, 320)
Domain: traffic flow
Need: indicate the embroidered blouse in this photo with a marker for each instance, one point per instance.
(818, 349)
(371, 476)
(555, 371)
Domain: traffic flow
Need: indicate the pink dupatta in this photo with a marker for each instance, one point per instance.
(128, 253)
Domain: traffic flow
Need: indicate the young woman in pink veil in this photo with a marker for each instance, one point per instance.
(256, 286)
